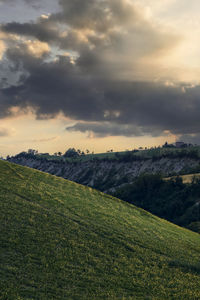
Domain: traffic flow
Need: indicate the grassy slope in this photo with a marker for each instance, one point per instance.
(60, 240)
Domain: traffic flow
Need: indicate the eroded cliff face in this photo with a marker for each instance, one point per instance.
(108, 175)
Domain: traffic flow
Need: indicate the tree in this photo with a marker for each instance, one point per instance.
(32, 151)
(71, 152)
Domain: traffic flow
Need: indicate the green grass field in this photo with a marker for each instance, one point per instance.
(60, 240)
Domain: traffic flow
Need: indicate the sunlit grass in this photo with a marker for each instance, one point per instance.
(60, 240)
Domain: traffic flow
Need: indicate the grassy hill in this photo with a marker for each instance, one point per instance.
(60, 240)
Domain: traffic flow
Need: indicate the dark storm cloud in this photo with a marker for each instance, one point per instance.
(110, 39)
(103, 129)
(42, 31)
(46, 31)
(51, 87)
(146, 109)
(100, 15)
(117, 108)
(191, 139)
(116, 27)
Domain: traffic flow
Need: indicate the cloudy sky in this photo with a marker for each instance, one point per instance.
(98, 74)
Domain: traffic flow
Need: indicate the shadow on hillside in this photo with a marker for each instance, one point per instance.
(185, 267)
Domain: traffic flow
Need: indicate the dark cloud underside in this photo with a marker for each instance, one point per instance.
(110, 39)
(61, 86)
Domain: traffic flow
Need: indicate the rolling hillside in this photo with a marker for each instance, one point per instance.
(60, 240)
(109, 172)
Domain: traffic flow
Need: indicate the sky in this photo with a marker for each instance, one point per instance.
(98, 74)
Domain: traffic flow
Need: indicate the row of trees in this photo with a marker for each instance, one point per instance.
(71, 152)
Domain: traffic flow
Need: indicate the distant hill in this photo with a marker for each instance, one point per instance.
(108, 171)
(60, 240)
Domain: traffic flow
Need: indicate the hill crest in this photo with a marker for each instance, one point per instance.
(60, 240)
